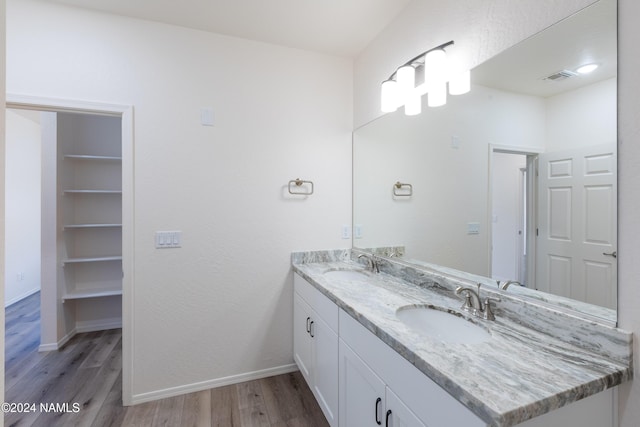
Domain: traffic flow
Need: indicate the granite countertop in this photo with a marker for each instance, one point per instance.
(518, 374)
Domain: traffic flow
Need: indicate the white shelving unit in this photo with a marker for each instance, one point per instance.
(89, 174)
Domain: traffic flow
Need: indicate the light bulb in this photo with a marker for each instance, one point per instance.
(389, 96)
(586, 69)
(435, 67)
(406, 77)
(413, 105)
(437, 94)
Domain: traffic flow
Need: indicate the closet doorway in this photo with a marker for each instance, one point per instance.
(85, 261)
(512, 211)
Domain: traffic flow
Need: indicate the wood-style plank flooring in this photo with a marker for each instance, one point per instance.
(88, 371)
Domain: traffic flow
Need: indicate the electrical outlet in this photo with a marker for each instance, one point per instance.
(346, 231)
(357, 231)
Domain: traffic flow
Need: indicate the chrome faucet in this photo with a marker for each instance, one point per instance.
(472, 303)
(372, 262)
(506, 284)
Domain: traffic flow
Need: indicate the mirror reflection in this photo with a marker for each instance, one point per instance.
(513, 181)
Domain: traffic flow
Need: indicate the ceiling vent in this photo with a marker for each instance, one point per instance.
(560, 75)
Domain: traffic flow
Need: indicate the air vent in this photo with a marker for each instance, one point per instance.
(560, 75)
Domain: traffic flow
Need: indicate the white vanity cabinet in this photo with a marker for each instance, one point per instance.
(360, 381)
(365, 400)
(315, 345)
(371, 370)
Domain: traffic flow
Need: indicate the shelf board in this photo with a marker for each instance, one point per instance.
(87, 157)
(91, 259)
(93, 293)
(81, 226)
(93, 191)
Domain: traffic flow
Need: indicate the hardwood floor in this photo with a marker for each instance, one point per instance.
(88, 372)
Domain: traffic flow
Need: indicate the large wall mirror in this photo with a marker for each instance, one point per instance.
(513, 181)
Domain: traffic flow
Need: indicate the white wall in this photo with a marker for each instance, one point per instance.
(582, 117)
(220, 306)
(22, 199)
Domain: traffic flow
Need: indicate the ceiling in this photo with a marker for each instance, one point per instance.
(589, 36)
(336, 27)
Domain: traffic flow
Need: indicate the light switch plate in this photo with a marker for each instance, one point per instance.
(168, 239)
(473, 228)
(357, 231)
(206, 116)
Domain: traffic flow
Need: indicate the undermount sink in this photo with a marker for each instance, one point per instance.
(353, 275)
(442, 325)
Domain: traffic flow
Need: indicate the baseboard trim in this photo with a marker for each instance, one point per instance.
(98, 325)
(81, 327)
(21, 297)
(57, 345)
(206, 385)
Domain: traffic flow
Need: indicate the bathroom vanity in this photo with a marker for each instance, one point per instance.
(395, 348)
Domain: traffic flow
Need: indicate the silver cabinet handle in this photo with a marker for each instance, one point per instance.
(613, 254)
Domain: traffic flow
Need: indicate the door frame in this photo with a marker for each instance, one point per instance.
(126, 113)
(532, 154)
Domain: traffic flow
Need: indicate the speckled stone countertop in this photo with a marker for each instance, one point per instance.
(524, 370)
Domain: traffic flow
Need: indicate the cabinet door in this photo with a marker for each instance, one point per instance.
(362, 392)
(397, 414)
(302, 338)
(325, 367)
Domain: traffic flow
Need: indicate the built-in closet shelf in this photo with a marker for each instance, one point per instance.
(88, 181)
(91, 259)
(86, 157)
(93, 191)
(94, 293)
(86, 226)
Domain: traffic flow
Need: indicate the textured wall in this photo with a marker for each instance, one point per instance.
(220, 306)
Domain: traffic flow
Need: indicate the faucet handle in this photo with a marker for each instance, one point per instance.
(488, 313)
(467, 305)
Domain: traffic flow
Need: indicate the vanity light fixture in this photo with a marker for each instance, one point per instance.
(586, 69)
(426, 74)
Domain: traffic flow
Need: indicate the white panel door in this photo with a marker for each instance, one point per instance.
(577, 223)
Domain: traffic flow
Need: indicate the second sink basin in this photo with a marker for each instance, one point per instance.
(442, 325)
